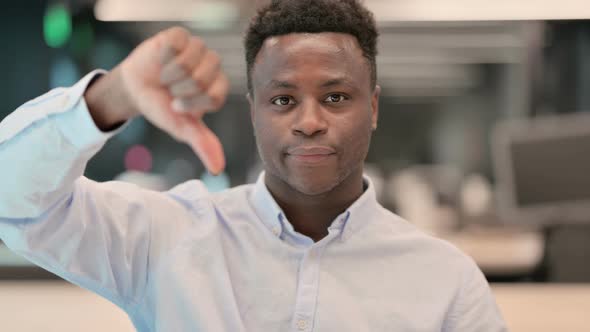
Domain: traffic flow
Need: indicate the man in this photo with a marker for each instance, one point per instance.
(306, 248)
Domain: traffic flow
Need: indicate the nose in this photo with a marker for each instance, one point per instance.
(309, 120)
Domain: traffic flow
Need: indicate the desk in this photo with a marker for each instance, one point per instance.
(56, 306)
(501, 250)
(545, 307)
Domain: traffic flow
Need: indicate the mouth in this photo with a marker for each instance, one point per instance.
(311, 154)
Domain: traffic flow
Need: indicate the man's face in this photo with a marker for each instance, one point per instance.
(313, 109)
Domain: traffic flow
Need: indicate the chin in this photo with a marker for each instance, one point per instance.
(313, 185)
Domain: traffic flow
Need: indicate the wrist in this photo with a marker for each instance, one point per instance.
(107, 101)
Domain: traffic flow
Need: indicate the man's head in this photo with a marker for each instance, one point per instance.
(312, 90)
(283, 17)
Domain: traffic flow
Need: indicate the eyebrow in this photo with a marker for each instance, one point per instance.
(276, 84)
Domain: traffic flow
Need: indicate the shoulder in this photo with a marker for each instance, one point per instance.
(195, 194)
(405, 236)
(189, 190)
(440, 267)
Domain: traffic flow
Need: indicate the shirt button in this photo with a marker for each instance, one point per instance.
(301, 324)
(276, 231)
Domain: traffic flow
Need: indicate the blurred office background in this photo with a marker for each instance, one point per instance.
(483, 136)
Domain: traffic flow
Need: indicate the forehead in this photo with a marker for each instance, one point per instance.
(310, 57)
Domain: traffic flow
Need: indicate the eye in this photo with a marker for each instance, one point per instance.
(335, 98)
(283, 101)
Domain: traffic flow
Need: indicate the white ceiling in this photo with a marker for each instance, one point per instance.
(385, 10)
(478, 10)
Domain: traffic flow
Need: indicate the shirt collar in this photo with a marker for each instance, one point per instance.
(350, 221)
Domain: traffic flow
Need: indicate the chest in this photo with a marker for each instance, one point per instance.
(219, 284)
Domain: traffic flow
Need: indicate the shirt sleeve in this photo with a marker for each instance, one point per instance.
(474, 308)
(44, 146)
(95, 235)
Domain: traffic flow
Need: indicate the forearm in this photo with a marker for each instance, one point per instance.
(44, 148)
(53, 216)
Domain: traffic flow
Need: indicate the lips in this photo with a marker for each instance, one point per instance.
(311, 151)
(311, 155)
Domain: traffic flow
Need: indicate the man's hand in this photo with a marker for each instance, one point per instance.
(172, 79)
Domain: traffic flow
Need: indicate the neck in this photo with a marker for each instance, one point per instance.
(311, 215)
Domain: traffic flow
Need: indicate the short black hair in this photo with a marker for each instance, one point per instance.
(282, 17)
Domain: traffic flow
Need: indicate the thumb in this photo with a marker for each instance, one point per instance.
(206, 145)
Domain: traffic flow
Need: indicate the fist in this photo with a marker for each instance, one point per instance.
(173, 79)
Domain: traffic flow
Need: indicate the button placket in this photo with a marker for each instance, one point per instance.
(301, 324)
(276, 231)
(307, 290)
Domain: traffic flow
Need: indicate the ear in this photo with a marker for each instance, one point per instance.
(375, 106)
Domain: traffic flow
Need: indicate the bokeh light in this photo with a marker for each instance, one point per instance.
(57, 25)
(215, 183)
(63, 72)
(138, 158)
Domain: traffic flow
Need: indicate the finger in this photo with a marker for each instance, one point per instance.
(180, 66)
(176, 38)
(185, 88)
(212, 100)
(218, 92)
(207, 146)
(197, 104)
(171, 42)
(172, 72)
(207, 70)
(166, 54)
(192, 54)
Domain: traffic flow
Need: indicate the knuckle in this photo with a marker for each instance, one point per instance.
(182, 63)
(216, 101)
(197, 43)
(178, 32)
(207, 71)
(219, 95)
(177, 37)
(187, 58)
(214, 59)
(200, 81)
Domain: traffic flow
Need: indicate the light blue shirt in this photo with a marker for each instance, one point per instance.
(190, 260)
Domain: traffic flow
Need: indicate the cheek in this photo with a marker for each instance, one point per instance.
(356, 144)
(356, 139)
(267, 136)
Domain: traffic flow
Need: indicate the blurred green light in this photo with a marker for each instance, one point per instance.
(57, 25)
